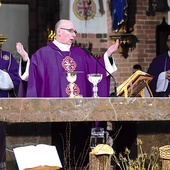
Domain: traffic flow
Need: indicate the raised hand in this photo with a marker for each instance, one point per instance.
(113, 48)
(21, 51)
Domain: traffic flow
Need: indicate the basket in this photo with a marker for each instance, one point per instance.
(165, 152)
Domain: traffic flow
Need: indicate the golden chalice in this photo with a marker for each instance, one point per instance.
(71, 77)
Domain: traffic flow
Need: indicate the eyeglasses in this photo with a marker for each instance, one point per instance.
(71, 30)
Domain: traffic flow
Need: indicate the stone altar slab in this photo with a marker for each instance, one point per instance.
(20, 114)
(84, 109)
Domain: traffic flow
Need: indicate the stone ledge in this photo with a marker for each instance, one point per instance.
(84, 109)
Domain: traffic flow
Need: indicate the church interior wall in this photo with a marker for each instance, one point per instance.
(144, 30)
(143, 53)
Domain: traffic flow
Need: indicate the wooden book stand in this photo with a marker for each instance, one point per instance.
(135, 84)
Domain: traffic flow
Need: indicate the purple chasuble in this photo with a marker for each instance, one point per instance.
(10, 65)
(159, 64)
(48, 68)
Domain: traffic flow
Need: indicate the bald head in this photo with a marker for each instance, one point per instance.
(65, 31)
(64, 23)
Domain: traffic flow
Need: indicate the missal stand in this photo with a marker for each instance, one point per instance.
(136, 85)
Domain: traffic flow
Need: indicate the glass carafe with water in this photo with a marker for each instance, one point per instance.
(98, 136)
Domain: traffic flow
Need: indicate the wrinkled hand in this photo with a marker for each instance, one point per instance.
(21, 51)
(113, 48)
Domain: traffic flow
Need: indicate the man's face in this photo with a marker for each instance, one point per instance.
(168, 42)
(66, 33)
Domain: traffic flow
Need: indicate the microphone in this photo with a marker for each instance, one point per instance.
(114, 93)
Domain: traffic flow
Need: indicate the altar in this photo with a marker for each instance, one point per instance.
(84, 109)
(28, 120)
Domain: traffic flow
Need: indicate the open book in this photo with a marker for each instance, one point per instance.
(41, 155)
(135, 85)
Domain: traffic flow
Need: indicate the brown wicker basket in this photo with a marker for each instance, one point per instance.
(165, 152)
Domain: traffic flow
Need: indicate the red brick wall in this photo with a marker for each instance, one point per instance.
(145, 51)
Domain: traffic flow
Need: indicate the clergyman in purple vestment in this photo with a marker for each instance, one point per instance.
(160, 69)
(48, 72)
(50, 64)
(47, 77)
(9, 78)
